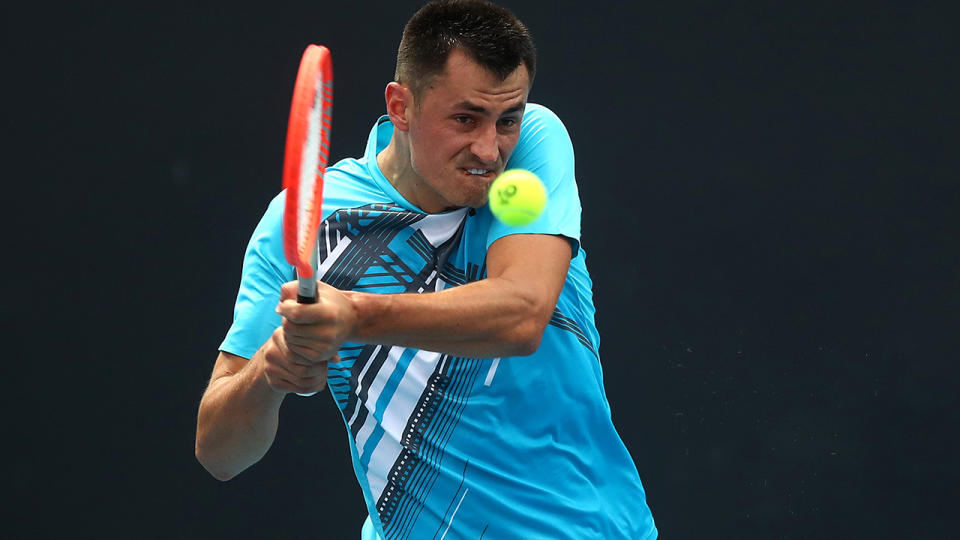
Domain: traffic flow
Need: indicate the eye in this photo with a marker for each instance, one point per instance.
(462, 119)
(508, 122)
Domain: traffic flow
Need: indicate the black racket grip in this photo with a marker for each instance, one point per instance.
(307, 290)
(307, 286)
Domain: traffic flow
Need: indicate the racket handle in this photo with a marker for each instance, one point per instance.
(307, 294)
(307, 290)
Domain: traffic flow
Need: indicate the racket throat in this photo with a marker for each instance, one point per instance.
(307, 290)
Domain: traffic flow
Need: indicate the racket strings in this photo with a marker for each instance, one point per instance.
(308, 149)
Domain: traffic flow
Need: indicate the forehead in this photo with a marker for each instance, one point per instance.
(465, 80)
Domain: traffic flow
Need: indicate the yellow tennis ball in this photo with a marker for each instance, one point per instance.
(517, 197)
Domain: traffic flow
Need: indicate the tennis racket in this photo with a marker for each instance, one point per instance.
(305, 162)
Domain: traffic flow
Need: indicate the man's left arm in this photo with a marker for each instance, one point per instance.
(504, 314)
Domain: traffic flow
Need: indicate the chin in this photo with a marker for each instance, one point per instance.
(478, 204)
(478, 199)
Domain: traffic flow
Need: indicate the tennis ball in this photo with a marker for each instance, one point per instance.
(517, 197)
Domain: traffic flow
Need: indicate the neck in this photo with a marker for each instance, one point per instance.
(393, 161)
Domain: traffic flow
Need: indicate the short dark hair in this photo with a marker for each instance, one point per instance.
(489, 34)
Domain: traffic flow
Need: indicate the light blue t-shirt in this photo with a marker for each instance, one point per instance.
(449, 447)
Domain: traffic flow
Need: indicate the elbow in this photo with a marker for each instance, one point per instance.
(212, 465)
(223, 477)
(525, 338)
(526, 347)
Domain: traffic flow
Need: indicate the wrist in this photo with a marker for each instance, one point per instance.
(364, 307)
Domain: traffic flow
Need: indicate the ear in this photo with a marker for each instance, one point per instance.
(399, 100)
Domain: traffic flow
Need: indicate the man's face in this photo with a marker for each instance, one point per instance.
(463, 131)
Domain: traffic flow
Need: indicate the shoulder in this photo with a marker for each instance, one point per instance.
(543, 138)
(346, 170)
(271, 219)
(350, 184)
(539, 118)
(267, 236)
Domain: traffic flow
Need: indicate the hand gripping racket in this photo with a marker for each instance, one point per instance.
(305, 162)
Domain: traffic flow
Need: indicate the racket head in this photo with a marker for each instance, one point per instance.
(305, 157)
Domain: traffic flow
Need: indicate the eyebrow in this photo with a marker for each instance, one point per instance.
(473, 107)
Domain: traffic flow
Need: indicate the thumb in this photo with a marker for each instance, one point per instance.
(324, 287)
(288, 291)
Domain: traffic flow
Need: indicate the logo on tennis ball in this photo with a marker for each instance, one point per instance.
(517, 197)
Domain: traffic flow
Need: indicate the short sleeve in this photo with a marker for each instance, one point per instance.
(545, 149)
(264, 271)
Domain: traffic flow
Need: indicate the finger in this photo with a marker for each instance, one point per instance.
(306, 314)
(291, 289)
(282, 356)
(298, 385)
(304, 330)
(316, 336)
(314, 384)
(314, 370)
(305, 342)
(302, 313)
(311, 356)
(306, 379)
(313, 348)
(290, 310)
(279, 369)
(288, 291)
(305, 334)
(304, 362)
(280, 384)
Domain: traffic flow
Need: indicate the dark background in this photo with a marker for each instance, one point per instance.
(769, 198)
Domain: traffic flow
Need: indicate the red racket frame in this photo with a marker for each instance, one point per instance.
(314, 75)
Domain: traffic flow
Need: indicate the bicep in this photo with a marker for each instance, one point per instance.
(536, 264)
(227, 364)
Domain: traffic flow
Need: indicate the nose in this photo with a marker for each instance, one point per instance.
(485, 146)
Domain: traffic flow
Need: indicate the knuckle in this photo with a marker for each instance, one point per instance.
(302, 352)
(301, 370)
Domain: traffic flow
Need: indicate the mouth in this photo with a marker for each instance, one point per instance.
(479, 173)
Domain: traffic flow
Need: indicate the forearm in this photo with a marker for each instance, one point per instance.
(488, 318)
(237, 421)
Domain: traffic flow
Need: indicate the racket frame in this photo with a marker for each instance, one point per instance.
(312, 106)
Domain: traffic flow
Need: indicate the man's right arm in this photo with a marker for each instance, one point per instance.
(238, 416)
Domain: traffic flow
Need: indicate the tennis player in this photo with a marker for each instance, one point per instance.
(462, 353)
